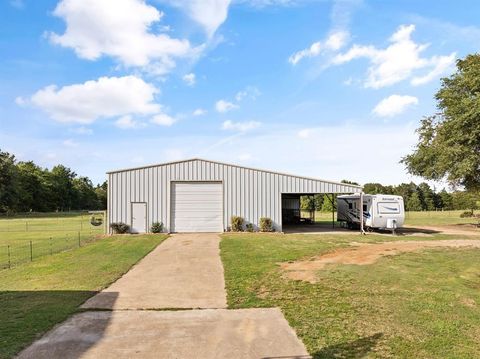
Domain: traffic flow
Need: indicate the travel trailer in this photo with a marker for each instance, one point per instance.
(380, 211)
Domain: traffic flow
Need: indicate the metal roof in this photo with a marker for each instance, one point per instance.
(232, 165)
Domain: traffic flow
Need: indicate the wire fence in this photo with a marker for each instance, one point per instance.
(15, 254)
(29, 236)
(58, 221)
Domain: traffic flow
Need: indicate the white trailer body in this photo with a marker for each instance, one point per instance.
(380, 211)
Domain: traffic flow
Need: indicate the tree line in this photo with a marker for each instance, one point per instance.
(421, 197)
(26, 187)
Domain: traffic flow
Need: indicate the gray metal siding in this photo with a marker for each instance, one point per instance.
(249, 193)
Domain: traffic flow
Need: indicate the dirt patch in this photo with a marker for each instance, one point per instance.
(362, 254)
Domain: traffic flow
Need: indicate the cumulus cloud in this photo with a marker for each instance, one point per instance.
(199, 112)
(394, 105)
(127, 122)
(103, 98)
(249, 92)
(120, 29)
(163, 119)
(334, 42)
(189, 79)
(209, 14)
(398, 61)
(240, 126)
(223, 106)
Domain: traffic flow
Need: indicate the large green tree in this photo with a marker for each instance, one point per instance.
(449, 141)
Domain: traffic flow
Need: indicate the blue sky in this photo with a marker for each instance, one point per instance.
(330, 89)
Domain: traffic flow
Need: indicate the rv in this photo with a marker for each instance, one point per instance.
(380, 211)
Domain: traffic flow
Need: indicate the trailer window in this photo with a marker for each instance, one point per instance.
(388, 207)
(350, 206)
(365, 208)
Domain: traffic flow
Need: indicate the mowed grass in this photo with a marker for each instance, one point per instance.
(416, 218)
(414, 305)
(48, 233)
(21, 229)
(36, 296)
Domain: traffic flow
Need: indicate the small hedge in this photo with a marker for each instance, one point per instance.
(120, 228)
(266, 224)
(237, 223)
(466, 214)
(157, 227)
(249, 227)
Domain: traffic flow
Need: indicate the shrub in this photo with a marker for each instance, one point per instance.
(266, 224)
(237, 223)
(157, 227)
(466, 214)
(120, 228)
(249, 227)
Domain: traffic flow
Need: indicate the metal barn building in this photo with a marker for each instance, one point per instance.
(199, 195)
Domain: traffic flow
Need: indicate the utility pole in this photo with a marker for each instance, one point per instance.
(362, 231)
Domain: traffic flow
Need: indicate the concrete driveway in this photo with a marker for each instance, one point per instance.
(244, 333)
(185, 271)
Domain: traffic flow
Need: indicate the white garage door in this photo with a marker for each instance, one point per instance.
(197, 207)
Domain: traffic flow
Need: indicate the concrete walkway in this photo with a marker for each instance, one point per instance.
(205, 334)
(185, 271)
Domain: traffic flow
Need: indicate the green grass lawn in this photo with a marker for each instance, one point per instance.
(48, 232)
(36, 296)
(421, 218)
(414, 305)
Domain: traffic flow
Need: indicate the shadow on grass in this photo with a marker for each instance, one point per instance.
(352, 350)
(27, 315)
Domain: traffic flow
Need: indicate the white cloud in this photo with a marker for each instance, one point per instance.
(189, 79)
(394, 105)
(20, 101)
(333, 42)
(250, 91)
(199, 112)
(240, 126)
(70, 143)
(441, 64)
(120, 29)
(223, 106)
(127, 122)
(102, 98)
(209, 14)
(398, 61)
(305, 133)
(163, 119)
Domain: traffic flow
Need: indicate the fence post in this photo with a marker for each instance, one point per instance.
(31, 251)
(51, 252)
(26, 226)
(9, 261)
(79, 240)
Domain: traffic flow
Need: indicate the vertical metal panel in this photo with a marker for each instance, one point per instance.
(249, 193)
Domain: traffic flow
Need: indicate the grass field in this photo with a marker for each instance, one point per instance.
(37, 295)
(421, 218)
(48, 232)
(416, 305)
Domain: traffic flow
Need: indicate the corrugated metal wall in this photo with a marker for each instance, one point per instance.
(249, 193)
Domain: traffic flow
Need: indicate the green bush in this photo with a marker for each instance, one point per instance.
(120, 228)
(266, 224)
(157, 227)
(249, 227)
(237, 223)
(466, 214)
